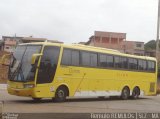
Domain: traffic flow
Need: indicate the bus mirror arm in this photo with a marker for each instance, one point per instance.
(34, 57)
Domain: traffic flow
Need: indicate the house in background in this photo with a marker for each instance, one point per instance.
(117, 41)
(133, 47)
(111, 40)
(151, 53)
(1, 45)
(10, 43)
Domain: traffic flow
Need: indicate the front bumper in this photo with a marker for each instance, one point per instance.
(27, 92)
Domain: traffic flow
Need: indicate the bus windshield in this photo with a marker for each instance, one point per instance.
(20, 66)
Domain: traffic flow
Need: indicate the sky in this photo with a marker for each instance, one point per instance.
(73, 21)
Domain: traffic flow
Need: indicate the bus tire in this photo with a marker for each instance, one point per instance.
(60, 95)
(101, 97)
(125, 93)
(136, 93)
(36, 99)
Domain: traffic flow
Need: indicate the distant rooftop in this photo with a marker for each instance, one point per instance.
(110, 34)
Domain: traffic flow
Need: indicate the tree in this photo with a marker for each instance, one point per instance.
(151, 45)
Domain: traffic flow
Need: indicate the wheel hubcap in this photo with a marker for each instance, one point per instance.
(61, 94)
(125, 94)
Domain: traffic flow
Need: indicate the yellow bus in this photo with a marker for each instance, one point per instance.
(57, 71)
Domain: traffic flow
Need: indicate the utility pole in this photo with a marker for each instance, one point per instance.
(158, 29)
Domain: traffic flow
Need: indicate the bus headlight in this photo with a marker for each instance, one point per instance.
(28, 85)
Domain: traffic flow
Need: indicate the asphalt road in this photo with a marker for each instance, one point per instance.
(17, 104)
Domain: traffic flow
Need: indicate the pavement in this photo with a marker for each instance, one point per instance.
(3, 86)
(88, 105)
(18, 104)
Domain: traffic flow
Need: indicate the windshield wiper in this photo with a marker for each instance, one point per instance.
(18, 72)
(18, 69)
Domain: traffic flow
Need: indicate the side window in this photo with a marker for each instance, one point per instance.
(106, 60)
(102, 60)
(133, 63)
(75, 58)
(124, 62)
(151, 66)
(66, 57)
(85, 58)
(120, 62)
(117, 63)
(70, 57)
(110, 61)
(142, 65)
(89, 59)
(93, 60)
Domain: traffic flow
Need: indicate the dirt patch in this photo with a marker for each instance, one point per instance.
(158, 87)
(3, 70)
(3, 74)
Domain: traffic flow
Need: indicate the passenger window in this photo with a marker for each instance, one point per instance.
(105, 60)
(93, 60)
(124, 62)
(66, 57)
(151, 66)
(75, 58)
(117, 63)
(85, 58)
(70, 57)
(110, 61)
(89, 59)
(102, 60)
(142, 65)
(133, 64)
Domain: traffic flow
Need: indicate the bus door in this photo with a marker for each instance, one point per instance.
(47, 70)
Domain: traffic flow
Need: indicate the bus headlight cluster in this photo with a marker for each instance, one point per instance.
(28, 85)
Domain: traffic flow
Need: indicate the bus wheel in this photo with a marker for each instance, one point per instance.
(36, 99)
(125, 93)
(101, 97)
(135, 93)
(60, 95)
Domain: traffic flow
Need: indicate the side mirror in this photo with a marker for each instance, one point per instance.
(3, 60)
(34, 57)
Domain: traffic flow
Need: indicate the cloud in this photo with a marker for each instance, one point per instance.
(76, 20)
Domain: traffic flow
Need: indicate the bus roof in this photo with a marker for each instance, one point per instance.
(91, 48)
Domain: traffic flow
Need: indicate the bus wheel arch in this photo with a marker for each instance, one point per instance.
(125, 93)
(61, 93)
(136, 92)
